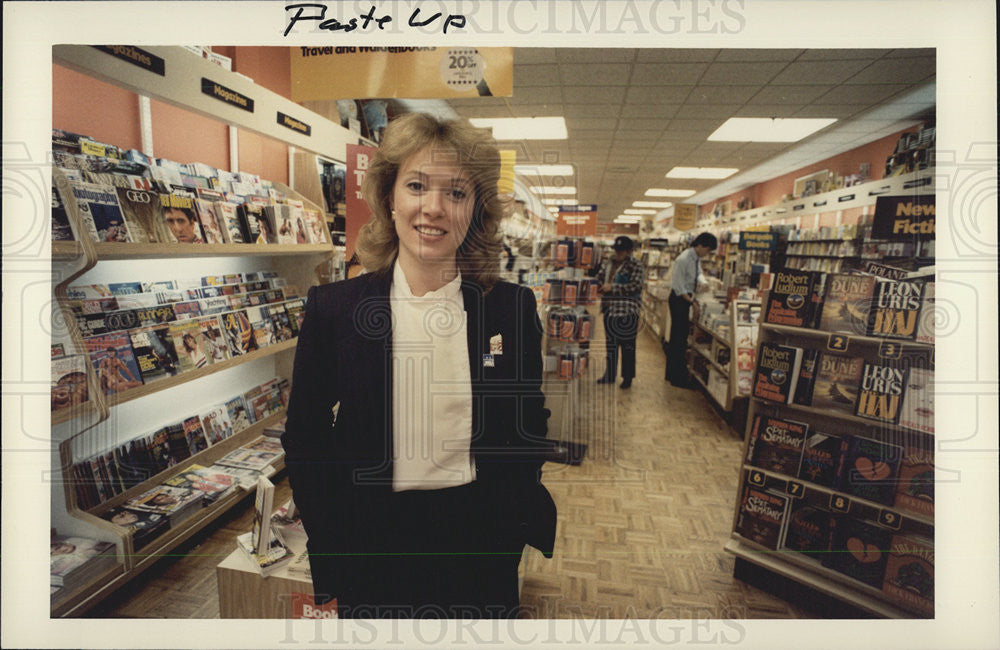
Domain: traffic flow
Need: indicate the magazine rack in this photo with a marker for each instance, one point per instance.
(302, 265)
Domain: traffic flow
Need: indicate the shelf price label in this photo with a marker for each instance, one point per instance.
(890, 350)
(840, 503)
(756, 478)
(838, 342)
(795, 489)
(889, 519)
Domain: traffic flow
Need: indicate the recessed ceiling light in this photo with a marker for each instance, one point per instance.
(702, 172)
(651, 204)
(658, 191)
(766, 129)
(559, 201)
(553, 189)
(638, 211)
(544, 170)
(524, 128)
(628, 217)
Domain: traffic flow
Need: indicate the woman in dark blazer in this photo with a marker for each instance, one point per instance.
(416, 425)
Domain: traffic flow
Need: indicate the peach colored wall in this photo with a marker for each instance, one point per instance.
(849, 162)
(84, 105)
(184, 137)
(269, 67)
(263, 156)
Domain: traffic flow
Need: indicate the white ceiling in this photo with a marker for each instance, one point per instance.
(633, 114)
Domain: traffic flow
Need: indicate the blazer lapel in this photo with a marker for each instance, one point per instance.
(472, 296)
(374, 318)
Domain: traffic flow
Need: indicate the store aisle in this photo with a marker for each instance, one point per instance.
(642, 521)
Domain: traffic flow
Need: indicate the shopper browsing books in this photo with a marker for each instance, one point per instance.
(684, 278)
(416, 420)
(621, 280)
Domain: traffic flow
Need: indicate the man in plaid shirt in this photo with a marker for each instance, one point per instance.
(621, 279)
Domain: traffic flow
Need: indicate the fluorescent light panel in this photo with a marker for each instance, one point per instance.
(651, 204)
(659, 191)
(553, 189)
(524, 128)
(638, 211)
(544, 170)
(559, 201)
(766, 129)
(702, 172)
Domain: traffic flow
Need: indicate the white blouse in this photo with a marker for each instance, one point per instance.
(431, 389)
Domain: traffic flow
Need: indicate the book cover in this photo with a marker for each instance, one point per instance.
(277, 556)
(189, 344)
(807, 377)
(821, 458)
(836, 383)
(144, 526)
(870, 469)
(859, 549)
(895, 309)
(808, 530)
(262, 507)
(69, 381)
(847, 303)
(776, 444)
(928, 314)
(230, 222)
(101, 212)
(915, 488)
(880, 394)
(143, 213)
(909, 573)
(761, 516)
(216, 425)
(114, 362)
(918, 401)
(237, 412)
(238, 332)
(213, 339)
(207, 218)
(777, 372)
(790, 300)
(179, 217)
(154, 352)
(194, 435)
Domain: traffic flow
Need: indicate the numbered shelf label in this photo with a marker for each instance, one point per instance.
(838, 342)
(795, 489)
(890, 350)
(756, 477)
(840, 503)
(889, 519)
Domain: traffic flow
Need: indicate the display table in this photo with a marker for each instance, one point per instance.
(244, 593)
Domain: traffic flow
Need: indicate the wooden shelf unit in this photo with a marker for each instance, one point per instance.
(728, 370)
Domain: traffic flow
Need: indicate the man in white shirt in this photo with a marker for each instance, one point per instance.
(684, 285)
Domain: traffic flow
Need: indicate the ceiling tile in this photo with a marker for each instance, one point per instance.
(536, 95)
(668, 55)
(535, 75)
(766, 110)
(595, 55)
(534, 55)
(483, 111)
(841, 54)
(901, 70)
(861, 94)
(593, 95)
(590, 110)
(535, 110)
(722, 94)
(657, 94)
(667, 74)
(742, 72)
(911, 51)
(824, 73)
(661, 111)
(788, 95)
(838, 111)
(720, 111)
(594, 74)
(642, 124)
(739, 55)
(581, 123)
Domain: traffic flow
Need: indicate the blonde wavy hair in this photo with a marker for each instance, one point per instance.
(478, 256)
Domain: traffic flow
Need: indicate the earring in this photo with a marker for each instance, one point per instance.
(392, 213)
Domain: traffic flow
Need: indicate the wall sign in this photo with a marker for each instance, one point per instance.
(227, 95)
(290, 122)
(685, 215)
(753, 240)
(577, 221)
(359, 157)
(904, 218)
(136, 56)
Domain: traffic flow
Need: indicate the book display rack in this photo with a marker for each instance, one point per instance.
(722, 351)
(81, 428)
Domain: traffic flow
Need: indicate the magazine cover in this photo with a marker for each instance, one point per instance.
(144, 526)
(179, 217)
(69, 381)
(216, 425)
(213, 340)
(154, 352)
(114, 362)
(61, 230)
(238, 332)
(237, 412)
(230, 223)
(101, 212)
(189, 344)
(194, 435)
(205, 209)
(315, 226)
(143, 214)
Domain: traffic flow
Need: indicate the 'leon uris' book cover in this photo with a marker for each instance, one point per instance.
(777, 372)
(909, 573)
(880, 393)
(790, 300)
(895, 309)
(847, 303)
(836, 383)
(776, 444)
(762, 516)
(859, 549)
(870, 469)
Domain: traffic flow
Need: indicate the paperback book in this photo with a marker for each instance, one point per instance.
(761, 517)
(918, 401)
(776, 444)
(836, 383)
(870, 469)
(821, 454)
(847, 303)
(928, 314)
(915, 488)
(263, 506)
(277, 555)
(909, 573)
(808, 530)
(777, 372)
(859, 549)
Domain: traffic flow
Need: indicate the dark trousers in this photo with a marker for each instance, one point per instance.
(680, 326)
(620, 332)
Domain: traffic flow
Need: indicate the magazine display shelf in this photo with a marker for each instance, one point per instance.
(709, 352)
(303, 265)
(789, 563)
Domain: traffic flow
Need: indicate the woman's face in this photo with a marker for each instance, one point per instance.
(433, 200)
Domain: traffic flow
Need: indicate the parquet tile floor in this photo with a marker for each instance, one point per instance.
(642, 521)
